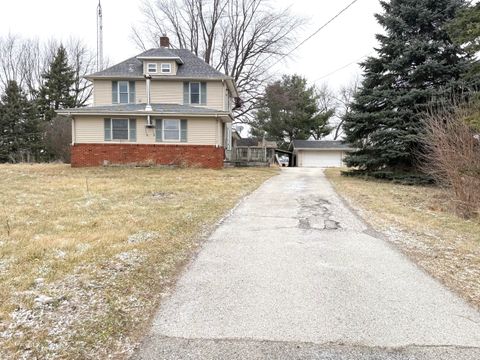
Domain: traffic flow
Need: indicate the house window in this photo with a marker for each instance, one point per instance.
(120, 130)
(194, 93)
(171, 130)
(123, 92)
(166, 68)
(152, 68)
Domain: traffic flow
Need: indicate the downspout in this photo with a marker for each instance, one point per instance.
(148, 107)
(73, 130)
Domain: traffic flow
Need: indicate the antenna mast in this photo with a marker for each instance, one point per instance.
(99, 37)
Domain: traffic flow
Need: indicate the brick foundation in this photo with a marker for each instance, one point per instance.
(159, 154)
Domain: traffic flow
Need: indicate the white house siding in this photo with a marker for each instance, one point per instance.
(201, 131)
(162, 92)
(166, 92)
(215, 91)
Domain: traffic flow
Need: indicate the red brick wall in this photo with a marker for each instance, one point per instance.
(159, 154)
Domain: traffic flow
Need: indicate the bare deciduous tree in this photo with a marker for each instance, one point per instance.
(242, 38)
(26, 60)
(344, 100)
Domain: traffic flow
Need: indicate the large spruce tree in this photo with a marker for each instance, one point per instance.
(20, 133)
(56, 91)
(289, 110)
(416, 63)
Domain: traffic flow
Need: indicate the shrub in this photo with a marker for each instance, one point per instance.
(403, 178)
(452, 154)
(58, 138)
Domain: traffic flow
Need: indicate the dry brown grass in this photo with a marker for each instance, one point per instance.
(64, 233)
(420, 221)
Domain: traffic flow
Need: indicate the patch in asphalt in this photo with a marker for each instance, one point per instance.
(316, 214)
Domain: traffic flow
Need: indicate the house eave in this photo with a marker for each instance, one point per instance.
(224, 116)
(159, 58)
(160, 77)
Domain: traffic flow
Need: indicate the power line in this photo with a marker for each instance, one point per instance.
(319, 29)
(364, 56)
(342, 68)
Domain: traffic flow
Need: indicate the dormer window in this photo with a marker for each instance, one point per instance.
(152, 68)
(166, 68)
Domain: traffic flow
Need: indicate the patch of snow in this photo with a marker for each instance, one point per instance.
(44, 300)
(60, 254)
(142, 236)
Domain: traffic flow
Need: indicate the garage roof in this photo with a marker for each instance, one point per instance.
(321, 145)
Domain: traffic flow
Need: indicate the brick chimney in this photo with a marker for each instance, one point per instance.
(164, 41)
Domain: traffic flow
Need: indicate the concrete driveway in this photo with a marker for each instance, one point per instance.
(294, 274)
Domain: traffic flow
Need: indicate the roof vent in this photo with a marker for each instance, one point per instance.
(131, 68)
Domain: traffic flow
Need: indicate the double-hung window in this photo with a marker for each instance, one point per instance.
(120, 130)
(195, 93)
(166, 68)
(171, 130)
(123, 92)
(152, 68)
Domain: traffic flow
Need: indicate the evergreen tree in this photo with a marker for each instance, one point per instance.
(20, 135)
(465, 31)
(289, 110)
(465, 28)
(56, 91)
(416, 63)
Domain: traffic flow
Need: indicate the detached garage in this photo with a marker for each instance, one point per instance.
(326, 154)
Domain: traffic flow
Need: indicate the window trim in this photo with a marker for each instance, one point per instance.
(119, 93)
(179, 130)
(148, 68)
(169, 68)
(111, 131)
(199, 92)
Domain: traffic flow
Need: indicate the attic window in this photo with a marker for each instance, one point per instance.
(166, 68)
(152, 68)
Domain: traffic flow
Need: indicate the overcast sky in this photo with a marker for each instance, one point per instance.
(344, 41)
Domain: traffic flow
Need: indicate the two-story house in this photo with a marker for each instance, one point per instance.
(165, 106)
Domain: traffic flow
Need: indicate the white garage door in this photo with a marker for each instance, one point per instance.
(329, 158)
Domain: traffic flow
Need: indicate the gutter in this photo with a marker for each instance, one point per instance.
(142, 113)
(158, 77)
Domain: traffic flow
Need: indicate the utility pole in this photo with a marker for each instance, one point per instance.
(99, 37)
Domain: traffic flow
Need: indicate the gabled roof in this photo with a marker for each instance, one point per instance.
(190, 66)
(321, 145)
(139, 109)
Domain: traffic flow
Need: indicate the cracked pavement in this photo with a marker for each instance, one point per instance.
(295, 274)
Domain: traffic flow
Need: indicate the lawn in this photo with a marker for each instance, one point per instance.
(419, 220)
(87, 254)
